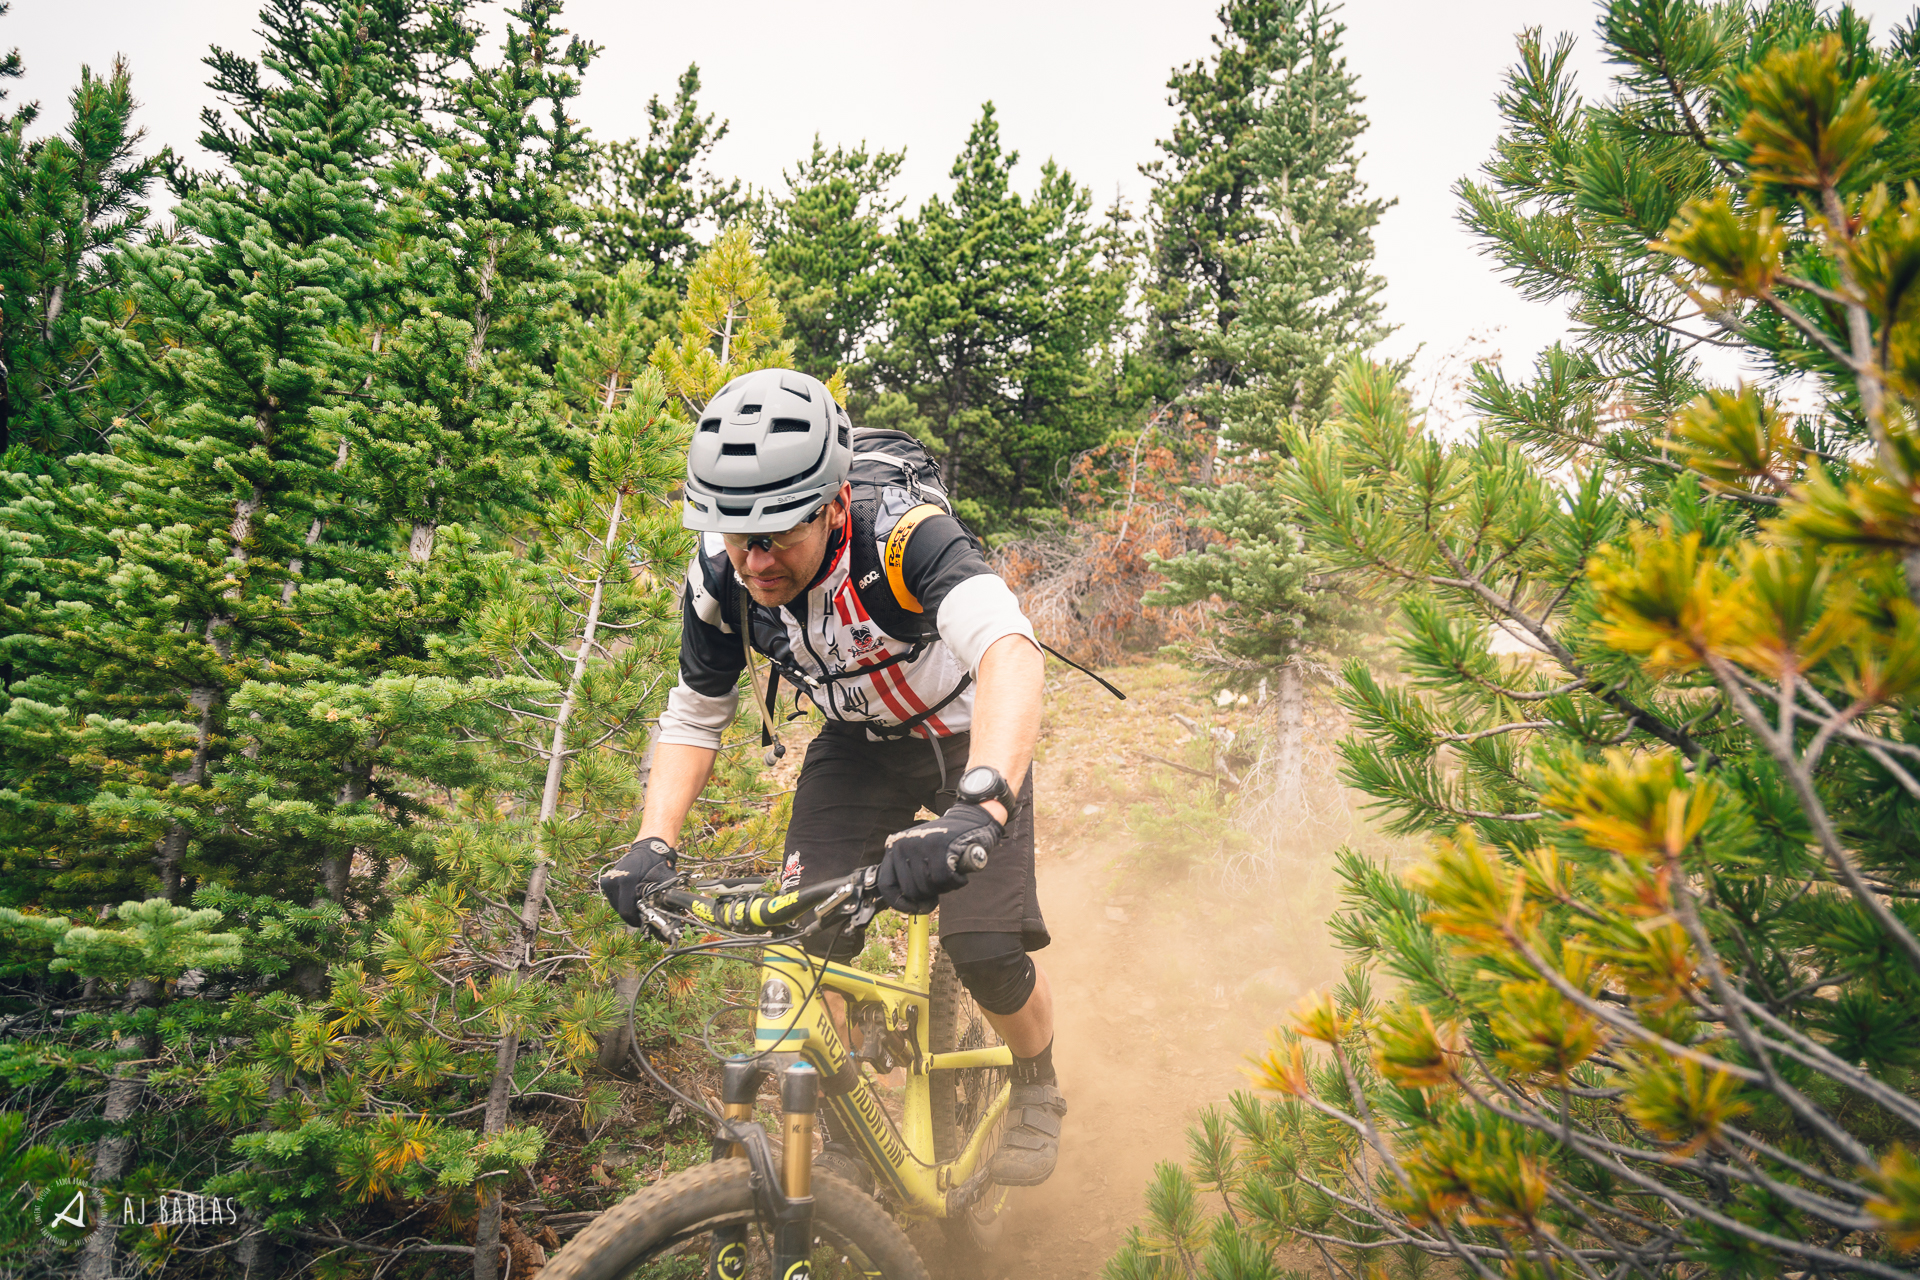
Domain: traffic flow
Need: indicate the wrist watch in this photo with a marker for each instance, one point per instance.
(983, 783)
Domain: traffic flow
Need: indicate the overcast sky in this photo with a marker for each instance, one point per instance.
(1082, 81)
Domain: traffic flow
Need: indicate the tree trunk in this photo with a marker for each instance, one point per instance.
(420, 542)
(1289, 706)
(615, 1043)
(170, 851)
(1213, 452)
(486, 1234)
(113, 1152)
(486, 1227)
(338, 868)
(255, 1254)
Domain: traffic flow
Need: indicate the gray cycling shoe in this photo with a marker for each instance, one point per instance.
(1031, 1144)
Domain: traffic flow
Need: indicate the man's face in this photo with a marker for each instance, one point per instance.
(777, 576)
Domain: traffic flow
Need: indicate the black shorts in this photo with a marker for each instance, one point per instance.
(853, 793)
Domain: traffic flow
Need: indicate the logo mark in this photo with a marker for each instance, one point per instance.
(64, 1212)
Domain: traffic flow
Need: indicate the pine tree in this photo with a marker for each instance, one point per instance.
(1205, 205)
(729, 324)
(1001, 307)
(410, 55)
(1308, 296)
(647, 201)
(826, 249)
(150, 590)
(1653, 992)
(1307, 302)
(68, 203)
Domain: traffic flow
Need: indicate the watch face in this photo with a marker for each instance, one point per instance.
(979, 781)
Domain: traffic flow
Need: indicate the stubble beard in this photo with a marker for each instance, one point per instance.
(791, 587)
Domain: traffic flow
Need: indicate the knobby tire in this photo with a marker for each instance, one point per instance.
(661, 1219)
(956, 1022)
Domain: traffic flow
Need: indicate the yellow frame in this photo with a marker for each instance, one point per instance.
(903, 1160)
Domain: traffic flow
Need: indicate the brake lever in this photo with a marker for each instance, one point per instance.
(869, 901)
(660, 926)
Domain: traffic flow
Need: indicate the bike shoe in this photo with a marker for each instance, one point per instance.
(1031, 1144)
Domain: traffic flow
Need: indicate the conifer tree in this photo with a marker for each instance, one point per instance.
(68, 203)
(647, 201)
(1001, 305)
(1307, 301)
(151, 591)
(1205, 205)
(826, 249)
(1309, 297)
(729, 324)
(1653, 991)
(421, 46)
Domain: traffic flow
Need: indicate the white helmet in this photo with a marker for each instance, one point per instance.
(772, 447)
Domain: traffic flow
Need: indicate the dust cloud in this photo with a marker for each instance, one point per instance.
(1166, 978)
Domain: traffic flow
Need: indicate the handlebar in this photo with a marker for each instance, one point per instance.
(765, 912)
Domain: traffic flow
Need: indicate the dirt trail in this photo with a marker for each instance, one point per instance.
(1163, 982)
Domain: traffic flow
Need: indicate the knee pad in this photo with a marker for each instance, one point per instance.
(994, 968)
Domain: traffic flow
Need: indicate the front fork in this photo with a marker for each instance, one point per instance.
(786, 1202)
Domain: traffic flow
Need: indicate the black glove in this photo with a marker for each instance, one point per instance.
(647, 865)
(916, 870)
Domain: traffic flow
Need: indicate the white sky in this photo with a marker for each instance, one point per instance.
(1079, 80)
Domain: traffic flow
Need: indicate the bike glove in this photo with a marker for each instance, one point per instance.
(924, 862)
(648, 864)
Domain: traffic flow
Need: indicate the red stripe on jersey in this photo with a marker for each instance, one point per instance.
(879, 682)
(913, 699)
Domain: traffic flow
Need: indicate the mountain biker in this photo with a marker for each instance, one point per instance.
(767, 487)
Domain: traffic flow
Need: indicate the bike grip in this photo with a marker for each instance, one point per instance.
(973, 857)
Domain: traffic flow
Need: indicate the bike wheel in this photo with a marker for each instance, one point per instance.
(662, 1232)
(960, 1098)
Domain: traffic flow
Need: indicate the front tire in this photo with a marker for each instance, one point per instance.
(669, 1223)
(954, 1022)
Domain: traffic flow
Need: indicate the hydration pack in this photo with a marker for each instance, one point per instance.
(896, 485)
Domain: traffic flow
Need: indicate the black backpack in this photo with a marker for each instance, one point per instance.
(896, 485)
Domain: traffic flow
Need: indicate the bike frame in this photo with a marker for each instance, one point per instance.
(903, 1160)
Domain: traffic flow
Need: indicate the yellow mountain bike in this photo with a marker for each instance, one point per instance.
(750, 1212)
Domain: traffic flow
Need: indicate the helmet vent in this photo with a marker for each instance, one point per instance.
(791, 424)
(738, 450)
(711, 424)
(746, 409)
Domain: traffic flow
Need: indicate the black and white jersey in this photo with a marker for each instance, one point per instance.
(850, 668)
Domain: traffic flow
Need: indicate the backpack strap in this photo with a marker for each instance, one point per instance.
(895, 558)
(774, 748)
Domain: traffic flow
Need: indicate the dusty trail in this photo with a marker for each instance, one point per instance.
(1162, 986)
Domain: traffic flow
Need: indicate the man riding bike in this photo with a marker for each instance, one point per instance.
(881, 607)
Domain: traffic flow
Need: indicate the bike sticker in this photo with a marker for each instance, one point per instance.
(801, 1270)
(731, 1262)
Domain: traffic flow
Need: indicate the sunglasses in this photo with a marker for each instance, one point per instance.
(773, 541)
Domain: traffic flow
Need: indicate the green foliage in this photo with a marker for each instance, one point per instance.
(70, 202)
(1306, 302)
(1307, 295)
(647, 202)
(729, 324)
(1206, 200)
(1001, 306)
(828, 253)
(1657, 685)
